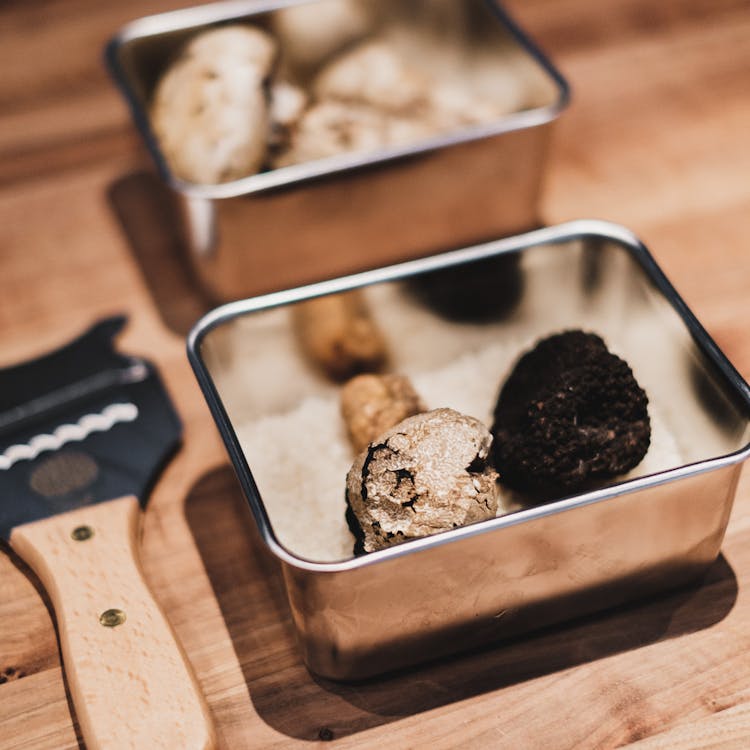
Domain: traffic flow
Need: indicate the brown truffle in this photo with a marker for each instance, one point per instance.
(372, 404)
(427, 474)
(339, 335)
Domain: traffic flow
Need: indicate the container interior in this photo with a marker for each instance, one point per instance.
(466, 45)
(457, 333)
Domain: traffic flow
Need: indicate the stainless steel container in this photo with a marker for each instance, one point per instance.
(361, 616)
(333, 216)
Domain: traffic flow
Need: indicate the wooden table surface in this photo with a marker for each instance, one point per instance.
(656, 138)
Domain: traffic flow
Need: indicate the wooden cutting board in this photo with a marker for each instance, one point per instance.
(656, 138)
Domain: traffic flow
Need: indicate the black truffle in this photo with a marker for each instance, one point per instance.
(570, 414)
(482, 291)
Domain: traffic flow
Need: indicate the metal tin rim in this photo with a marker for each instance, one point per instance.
(295, 174)
(549, 235)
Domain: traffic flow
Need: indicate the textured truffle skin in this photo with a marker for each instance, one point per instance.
(372, 404)
(427, 474)
(570, 414)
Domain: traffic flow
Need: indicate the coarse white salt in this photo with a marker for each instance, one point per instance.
(287, 419)
(300, 459)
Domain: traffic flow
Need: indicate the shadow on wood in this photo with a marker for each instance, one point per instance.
(146, 215)
(19, 670)
(250, 591)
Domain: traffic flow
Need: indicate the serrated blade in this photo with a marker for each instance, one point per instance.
(81, 425)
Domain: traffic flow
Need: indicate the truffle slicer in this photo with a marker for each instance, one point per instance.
(83, 432)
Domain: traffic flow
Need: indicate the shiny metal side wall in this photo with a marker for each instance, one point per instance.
(273, 230)
(354, 624)
(478, 584)
(350, 221)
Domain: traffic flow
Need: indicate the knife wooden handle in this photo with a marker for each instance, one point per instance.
(130, 681)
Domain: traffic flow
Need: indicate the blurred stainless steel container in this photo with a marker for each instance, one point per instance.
(360, 210)
(543, 564)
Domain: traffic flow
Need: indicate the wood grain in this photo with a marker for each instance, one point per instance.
(725, 730)
(656, 138)
(130, 682)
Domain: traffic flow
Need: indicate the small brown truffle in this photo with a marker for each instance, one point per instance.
(571, 414)
(339, 335)
(310, 33)
(427, 474)
(372, 404)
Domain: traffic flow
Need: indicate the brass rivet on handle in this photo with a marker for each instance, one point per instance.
(112, 618)
(81, 533)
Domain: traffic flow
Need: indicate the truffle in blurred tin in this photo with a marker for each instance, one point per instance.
(570, 414)
(427, 474)
(210, 109)
(339, 335)
(310, 33)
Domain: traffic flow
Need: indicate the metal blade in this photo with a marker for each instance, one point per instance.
(96, 425)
